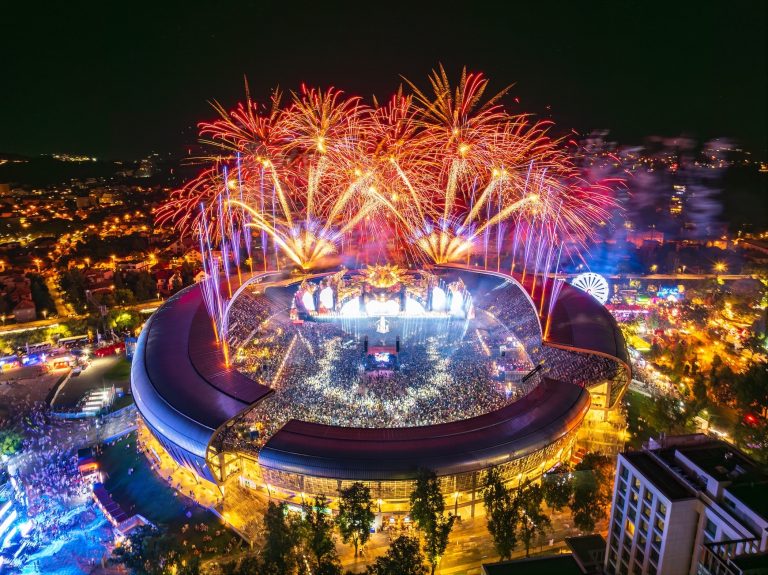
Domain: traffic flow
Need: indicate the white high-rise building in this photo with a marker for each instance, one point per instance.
(688, 505)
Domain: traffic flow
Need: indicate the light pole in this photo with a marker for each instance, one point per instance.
(720, 267)
(456, 503)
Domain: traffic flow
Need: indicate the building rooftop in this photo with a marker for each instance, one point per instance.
(560, 564)
(659, 476)
(588, 551)
(752, 563)
(752, 495)
(723, 462)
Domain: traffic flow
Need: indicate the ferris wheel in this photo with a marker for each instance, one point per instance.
(594, 284)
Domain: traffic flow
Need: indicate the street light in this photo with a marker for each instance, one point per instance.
(37, 263)
(721, 267)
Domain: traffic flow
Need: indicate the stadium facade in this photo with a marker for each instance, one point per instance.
(188, 399)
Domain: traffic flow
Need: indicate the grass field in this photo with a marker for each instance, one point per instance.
(144, 493)
(120, 372)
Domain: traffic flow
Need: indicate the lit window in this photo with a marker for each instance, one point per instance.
(648, 496)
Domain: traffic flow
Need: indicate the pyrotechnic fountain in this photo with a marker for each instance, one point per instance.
(443, 174)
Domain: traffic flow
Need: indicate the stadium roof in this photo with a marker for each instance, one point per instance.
(178, 378)
(549, 412)
(579, 321)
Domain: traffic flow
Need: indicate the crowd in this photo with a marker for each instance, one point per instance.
(48, 471)
(511, 307)
(317, 371)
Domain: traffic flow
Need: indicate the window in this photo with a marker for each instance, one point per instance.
(623, 472)
(636, 483)
(633, 498)
(659, 524)
(710, 529)
(646, 511)
(662, 509)
(654, 555)
(622, 487)
(648, 496)
(656, 541)
(643, 526)
(641, 541)
(619, 502)
(630, 528)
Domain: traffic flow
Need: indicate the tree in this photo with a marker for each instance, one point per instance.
(356, 516)
(558, 488)
(317, 532)
(73, 285)
(187, 274)
(533, 521)
(751, 388)
(402, 558)
(280, 537)
(10, 442)
(502, 514)
(142, 285)
(428, 512)
(123, 296)
(40, 294)
(149, 551)
(591, 491)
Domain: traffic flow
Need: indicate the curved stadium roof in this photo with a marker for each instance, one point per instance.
(185, 393)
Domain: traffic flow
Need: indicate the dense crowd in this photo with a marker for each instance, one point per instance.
(512, 308)
(317, 371)
(50, 477)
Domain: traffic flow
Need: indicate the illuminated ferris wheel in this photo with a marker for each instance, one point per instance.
(594, 284)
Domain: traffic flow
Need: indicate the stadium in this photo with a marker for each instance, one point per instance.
(371, 374)
(287, 384)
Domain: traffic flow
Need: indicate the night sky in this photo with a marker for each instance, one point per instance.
(118, 80)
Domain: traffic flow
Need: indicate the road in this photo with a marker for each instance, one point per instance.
(63, 309)
(41, 323)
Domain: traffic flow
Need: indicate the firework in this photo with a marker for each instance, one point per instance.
(446, 172)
